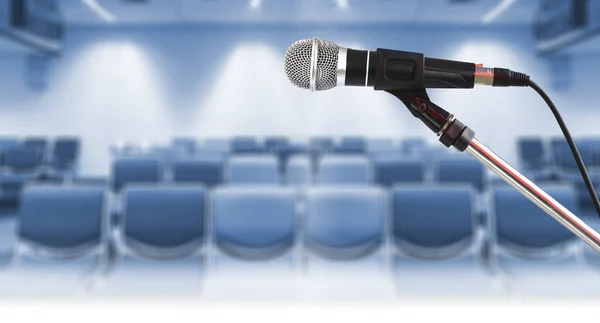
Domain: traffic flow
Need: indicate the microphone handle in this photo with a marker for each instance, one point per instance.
(387, 69)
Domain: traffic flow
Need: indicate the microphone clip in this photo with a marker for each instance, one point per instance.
(450, 130)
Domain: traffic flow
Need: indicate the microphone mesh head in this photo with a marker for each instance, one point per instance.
(299, 63)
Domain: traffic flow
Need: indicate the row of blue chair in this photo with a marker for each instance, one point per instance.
(32, 159)
(431, 225)
(210, 170)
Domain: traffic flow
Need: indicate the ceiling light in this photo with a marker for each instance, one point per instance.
(496, 11)
(100, 11)
(255, 4)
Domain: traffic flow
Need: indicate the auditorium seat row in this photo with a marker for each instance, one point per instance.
(210, 170)
(428, 232)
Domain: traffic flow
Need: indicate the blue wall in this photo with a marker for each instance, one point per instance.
(149, 84)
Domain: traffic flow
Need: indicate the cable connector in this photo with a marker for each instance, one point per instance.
(500, 77)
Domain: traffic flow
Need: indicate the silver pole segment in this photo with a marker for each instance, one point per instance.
(535, 194)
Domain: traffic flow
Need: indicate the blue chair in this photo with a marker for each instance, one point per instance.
(206, 170)
(351, 145)
(244, 170)
(184, 144)
(136, 170)
(8, 143)
(381, 145)
(532, 152)
(299, 171)
(393, 169)
(161, 247)
(40, 143)
(22, 159)
(254, 222)
(65, 153)
(274, 143)
(246, 145)
(320, 145)
(216, 144)
(22, 165)
(164, 221)
(413, 145)
(338, 169)
(284, 153)
(535, 253)
(62, 241)
(438, 248)
(455, 170)
(345, 222)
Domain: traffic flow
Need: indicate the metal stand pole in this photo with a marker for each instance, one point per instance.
(534, 193)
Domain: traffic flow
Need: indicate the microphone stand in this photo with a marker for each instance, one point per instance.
(454, 133)
(410, 89)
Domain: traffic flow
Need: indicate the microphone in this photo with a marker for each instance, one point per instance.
(320, 65)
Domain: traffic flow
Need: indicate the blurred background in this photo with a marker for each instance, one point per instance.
(154, 146)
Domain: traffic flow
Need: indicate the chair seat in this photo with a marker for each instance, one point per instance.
(569, 276)
(35, 277)
(465, 277)
(148, 277)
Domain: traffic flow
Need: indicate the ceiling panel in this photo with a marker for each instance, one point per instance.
(298, 11)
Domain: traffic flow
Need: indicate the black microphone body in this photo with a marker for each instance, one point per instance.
(401, 67)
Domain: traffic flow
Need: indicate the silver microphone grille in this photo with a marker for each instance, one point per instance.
(312, 64)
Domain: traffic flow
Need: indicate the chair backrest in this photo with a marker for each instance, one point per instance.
(136, 170)
(460, 170)
(40, 143)
(431, 218)
(22, 158)
(204, 170)
(339, 169)
(216, 144)
(165, 220)
(518, 222)
(184, 144)
(254, 222)
(532, 152)
(262, 169)
(66, 151)
(381, 144)
(351, 145)
(246, 145)
(393, 169)
(299, 171)
(274, 143)
(62, 219)
(345, 222)
(412, 145)
(321, 144)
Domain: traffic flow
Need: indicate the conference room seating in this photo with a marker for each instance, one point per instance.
(438, 246)
(350, 145)
(254, 241)
(535, 253)
(39, 143)
(65, 154)
(463, 169)
(412, 145)
(299, 171)
(161, 246)
(185, 144)
(246, 145)
(394, 168)
(134, 170)
(20, 165)
(222, 145)
(274, 143)
(205, 169)
(344, 169)
(381, 145)
(61, 241)
(252, 170)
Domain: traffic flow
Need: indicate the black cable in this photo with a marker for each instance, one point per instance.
(574, 150)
